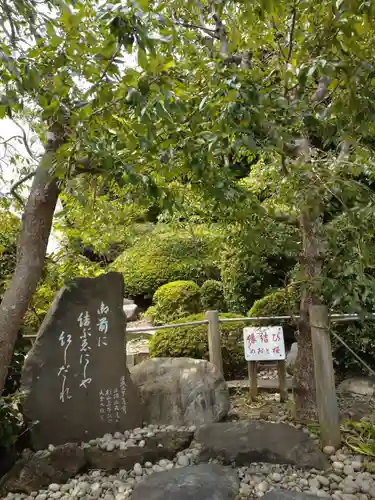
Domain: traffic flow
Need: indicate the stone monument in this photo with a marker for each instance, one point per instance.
(75, 382)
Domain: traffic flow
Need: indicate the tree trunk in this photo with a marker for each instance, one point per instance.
(31, 252)
(304, 381)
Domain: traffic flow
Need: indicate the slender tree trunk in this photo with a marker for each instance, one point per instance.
(304, 382)
(31, 252)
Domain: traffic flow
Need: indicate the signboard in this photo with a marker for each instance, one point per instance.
(264, 343)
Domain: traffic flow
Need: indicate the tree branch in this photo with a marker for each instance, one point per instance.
(17, 184)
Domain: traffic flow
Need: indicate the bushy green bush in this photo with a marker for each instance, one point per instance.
(212, 296)
(192, 342)
(174, 300)
(168, 255)
(280, 303)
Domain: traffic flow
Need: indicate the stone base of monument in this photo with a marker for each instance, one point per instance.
(114, 467)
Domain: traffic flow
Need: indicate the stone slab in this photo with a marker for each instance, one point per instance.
(75, 382)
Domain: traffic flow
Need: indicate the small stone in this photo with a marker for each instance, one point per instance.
(371, 492)
(348, 470)
(41, 496)
(276, 477)
(183, 460)
(138, 469)
(54, 487)
(148, 465)
(324, 481)
(356, 465)
(338, 465)
(142, 443)
(314, 483)
(245, 490)
(329, 450)
(108, 496)
(263, 487)
(56, 495)
(110, 446)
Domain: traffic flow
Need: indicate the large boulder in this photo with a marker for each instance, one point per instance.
(291, 358)
(200, 482)
(248, 441)
(365, 386)
(181, 391)
(36, 470)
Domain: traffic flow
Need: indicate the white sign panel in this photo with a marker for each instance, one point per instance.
(263, 343)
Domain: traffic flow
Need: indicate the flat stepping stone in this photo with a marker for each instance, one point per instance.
(200, 482)
(248, 441)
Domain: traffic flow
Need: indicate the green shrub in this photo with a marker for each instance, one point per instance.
(174, 300)
(280, 303)
(192, 342)
(165, 256)
(212, 296)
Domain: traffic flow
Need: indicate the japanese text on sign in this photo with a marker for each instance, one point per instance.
(263, 343)
(65, 341)
(102, 324)
(84, 323)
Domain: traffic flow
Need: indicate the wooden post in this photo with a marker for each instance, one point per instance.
(326, 399)
(214, 345)
(281, 371)
(252, 368)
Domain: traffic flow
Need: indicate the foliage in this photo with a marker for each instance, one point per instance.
(168, 255)
(11, 422)
(60, 270)
(359, 336)
(212, 296)
(174, 300)
(257, 257)
(10, 225)
(280, 303)
(192, 342)
(360, 437)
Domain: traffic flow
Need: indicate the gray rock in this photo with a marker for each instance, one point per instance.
(202, 482)
(289, 495)
(291, 358)
(67, 384)
(164, 445)
(248, 441)
(364, 386)
(131, 311)
(127, 302)
(181, 391)
(44, 468)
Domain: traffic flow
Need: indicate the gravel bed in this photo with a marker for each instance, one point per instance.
(347, 479)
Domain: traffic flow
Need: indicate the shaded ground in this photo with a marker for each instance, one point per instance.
(268, 406)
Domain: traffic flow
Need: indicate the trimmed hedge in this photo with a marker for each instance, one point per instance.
(165, 256)
(174, 300)
(192, 342)
(212, 296)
